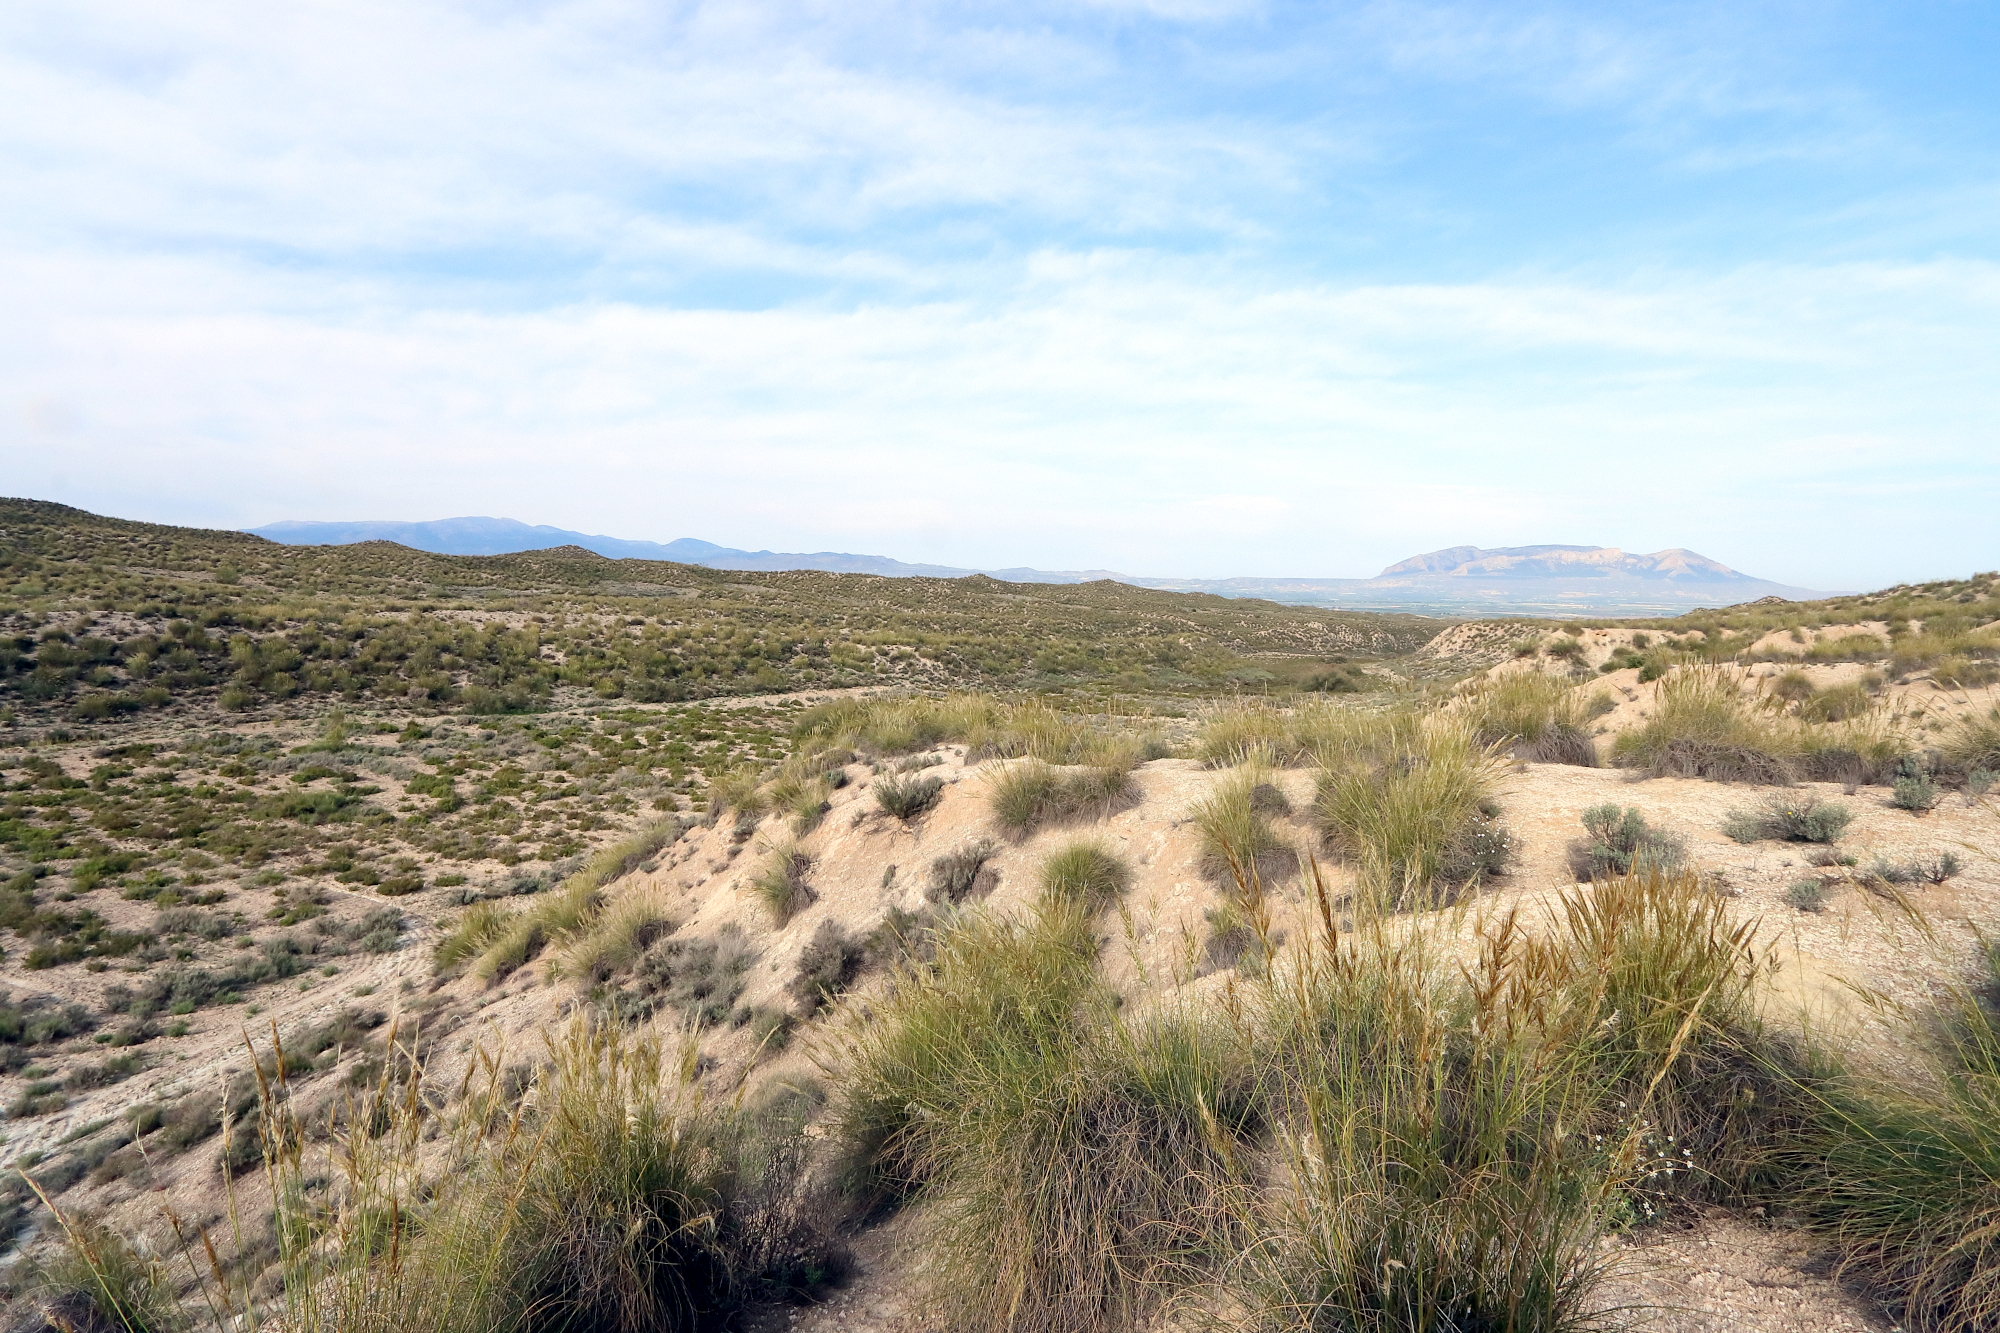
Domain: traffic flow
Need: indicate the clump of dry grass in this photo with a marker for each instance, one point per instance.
(1030, 793)
(1482, 1126)
(497, 941)
(1533, 714)
(1702, 727)
(1065, 1160)
(1902, 1174)
(986, 726)
(1237, 835)
(1414, 812)
(780, 884)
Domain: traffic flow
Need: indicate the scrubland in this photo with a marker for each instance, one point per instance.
(1511, 990)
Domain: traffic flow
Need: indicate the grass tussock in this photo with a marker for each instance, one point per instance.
(1064, 1159)
(607, 1193)
(1702, 727)
(1534, 715)
(615, 940)
(1902, 1173)
(1451, 1143)
(1084, 874)
(1032, 793)
(495, 941)
(780, 883)
(988, 727)
(1237, 836)
(1415, 813)
(1972, 744)
(908, 796)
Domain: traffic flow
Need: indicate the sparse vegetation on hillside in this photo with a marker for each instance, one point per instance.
(1117, 1090)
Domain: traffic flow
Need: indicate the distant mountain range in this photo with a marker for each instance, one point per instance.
(1521, 580)
(502, 536)
(1459, 580)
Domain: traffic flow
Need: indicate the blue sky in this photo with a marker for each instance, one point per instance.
(1167, 286)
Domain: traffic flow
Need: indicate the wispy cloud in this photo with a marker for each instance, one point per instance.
(1163, 285)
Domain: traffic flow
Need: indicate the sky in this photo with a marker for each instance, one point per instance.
(1171, 287)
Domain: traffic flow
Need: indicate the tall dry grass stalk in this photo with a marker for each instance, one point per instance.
(595, 1197)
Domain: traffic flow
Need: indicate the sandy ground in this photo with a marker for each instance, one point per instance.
(1720, 1273)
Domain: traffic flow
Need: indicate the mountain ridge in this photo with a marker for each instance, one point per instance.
(1551, 579)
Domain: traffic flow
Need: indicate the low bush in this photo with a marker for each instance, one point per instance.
(1806, 895)
(908, 797)
(1619, 842)
(829, 962)
(1934, 869)
(1790, 819)
(1913, 789)
(696, 979)
(956, 875)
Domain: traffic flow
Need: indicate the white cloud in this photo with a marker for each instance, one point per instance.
(1123, 414)
(974, 284)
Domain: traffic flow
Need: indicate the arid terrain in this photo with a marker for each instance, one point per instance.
(403, 865)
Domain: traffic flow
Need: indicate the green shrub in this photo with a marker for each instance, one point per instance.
(1790, 819)
(1913, 789)
(1618, 842)
(1807, 895)
(956, 874)
(829, 962)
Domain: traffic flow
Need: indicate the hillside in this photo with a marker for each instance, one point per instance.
(411, 815)
(776, 921)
